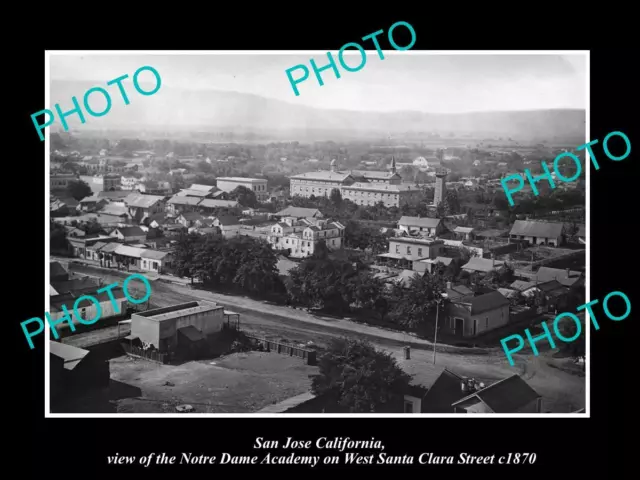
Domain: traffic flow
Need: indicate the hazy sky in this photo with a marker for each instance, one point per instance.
(443, 83)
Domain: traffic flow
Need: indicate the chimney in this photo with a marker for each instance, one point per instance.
(469, 385)
(568, 272)
(448, 285)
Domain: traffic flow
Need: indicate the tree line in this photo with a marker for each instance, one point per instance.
(321, 281)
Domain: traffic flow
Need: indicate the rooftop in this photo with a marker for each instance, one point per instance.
(212, 203)
(129, 231)
(180, 200)
(242, 179)
(177, 311)
(72, 356)
(484, 303)
(419, 222)
(298, 212)
(565, 277)
(482, 264)
(382, 187)
(324, 175)
(529, 228)
(142, 201)
(417, 241)
(187, 192)
(443, 393)
(504, 396)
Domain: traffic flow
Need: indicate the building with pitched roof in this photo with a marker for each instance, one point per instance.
(320, 183)
(429, 264)
(482, 265)
(132, 234)
(301, 237)
(471, 315)
(373, 192)
(86, 308)
(57, 272)
(464, 233)
(422, 225)
(73, 370)
(538, 233)
(228, 225)
(60, 181)
(155, 260)
(212, 205)
(178, 204)
(404, 251)
(566, 277)
(142, 206)
(113, 195)
(446, 390)
(188, 192)
(91, 204)
(511, 395)
(257, 185)
(299, 212)
(188, 219)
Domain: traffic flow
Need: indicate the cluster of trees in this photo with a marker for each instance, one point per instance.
(342, 286)
(245, 262)
(320, 282)
(359, 379)
(557, 200)
(58, 238)
(343, 209)
(362, 237)
(78, 189)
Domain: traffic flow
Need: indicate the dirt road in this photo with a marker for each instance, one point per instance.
(561, 390)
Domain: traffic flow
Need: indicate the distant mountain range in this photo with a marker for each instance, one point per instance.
(214, 110)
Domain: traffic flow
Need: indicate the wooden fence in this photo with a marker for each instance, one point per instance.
(146, 354)
(286, 349)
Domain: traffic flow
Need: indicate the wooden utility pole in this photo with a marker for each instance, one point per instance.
(435, 335)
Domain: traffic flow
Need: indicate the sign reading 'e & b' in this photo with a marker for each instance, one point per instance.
(50, 117)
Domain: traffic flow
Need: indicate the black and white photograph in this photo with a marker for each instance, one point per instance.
(228, 239)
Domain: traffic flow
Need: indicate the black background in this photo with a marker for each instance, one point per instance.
(79, 447)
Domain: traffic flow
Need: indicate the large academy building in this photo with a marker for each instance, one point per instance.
(320, 183)
(385, 187)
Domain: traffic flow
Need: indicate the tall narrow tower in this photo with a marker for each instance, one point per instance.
(441, 186)
(393, 165)
(334, 166)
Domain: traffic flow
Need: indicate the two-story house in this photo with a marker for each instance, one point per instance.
(404, 251)
(471, 315)
(301, 237)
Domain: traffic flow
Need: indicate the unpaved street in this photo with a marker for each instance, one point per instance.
(561, 391)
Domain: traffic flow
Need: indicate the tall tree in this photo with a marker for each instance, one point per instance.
(244, 196)
(336, 197)
(419, 300)
(258, 272)
(359, 378)
(78, 189)
(184, 255)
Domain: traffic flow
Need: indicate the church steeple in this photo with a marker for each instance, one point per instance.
(393, 165)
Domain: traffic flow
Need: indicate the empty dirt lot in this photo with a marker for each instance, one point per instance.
(237, 383)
